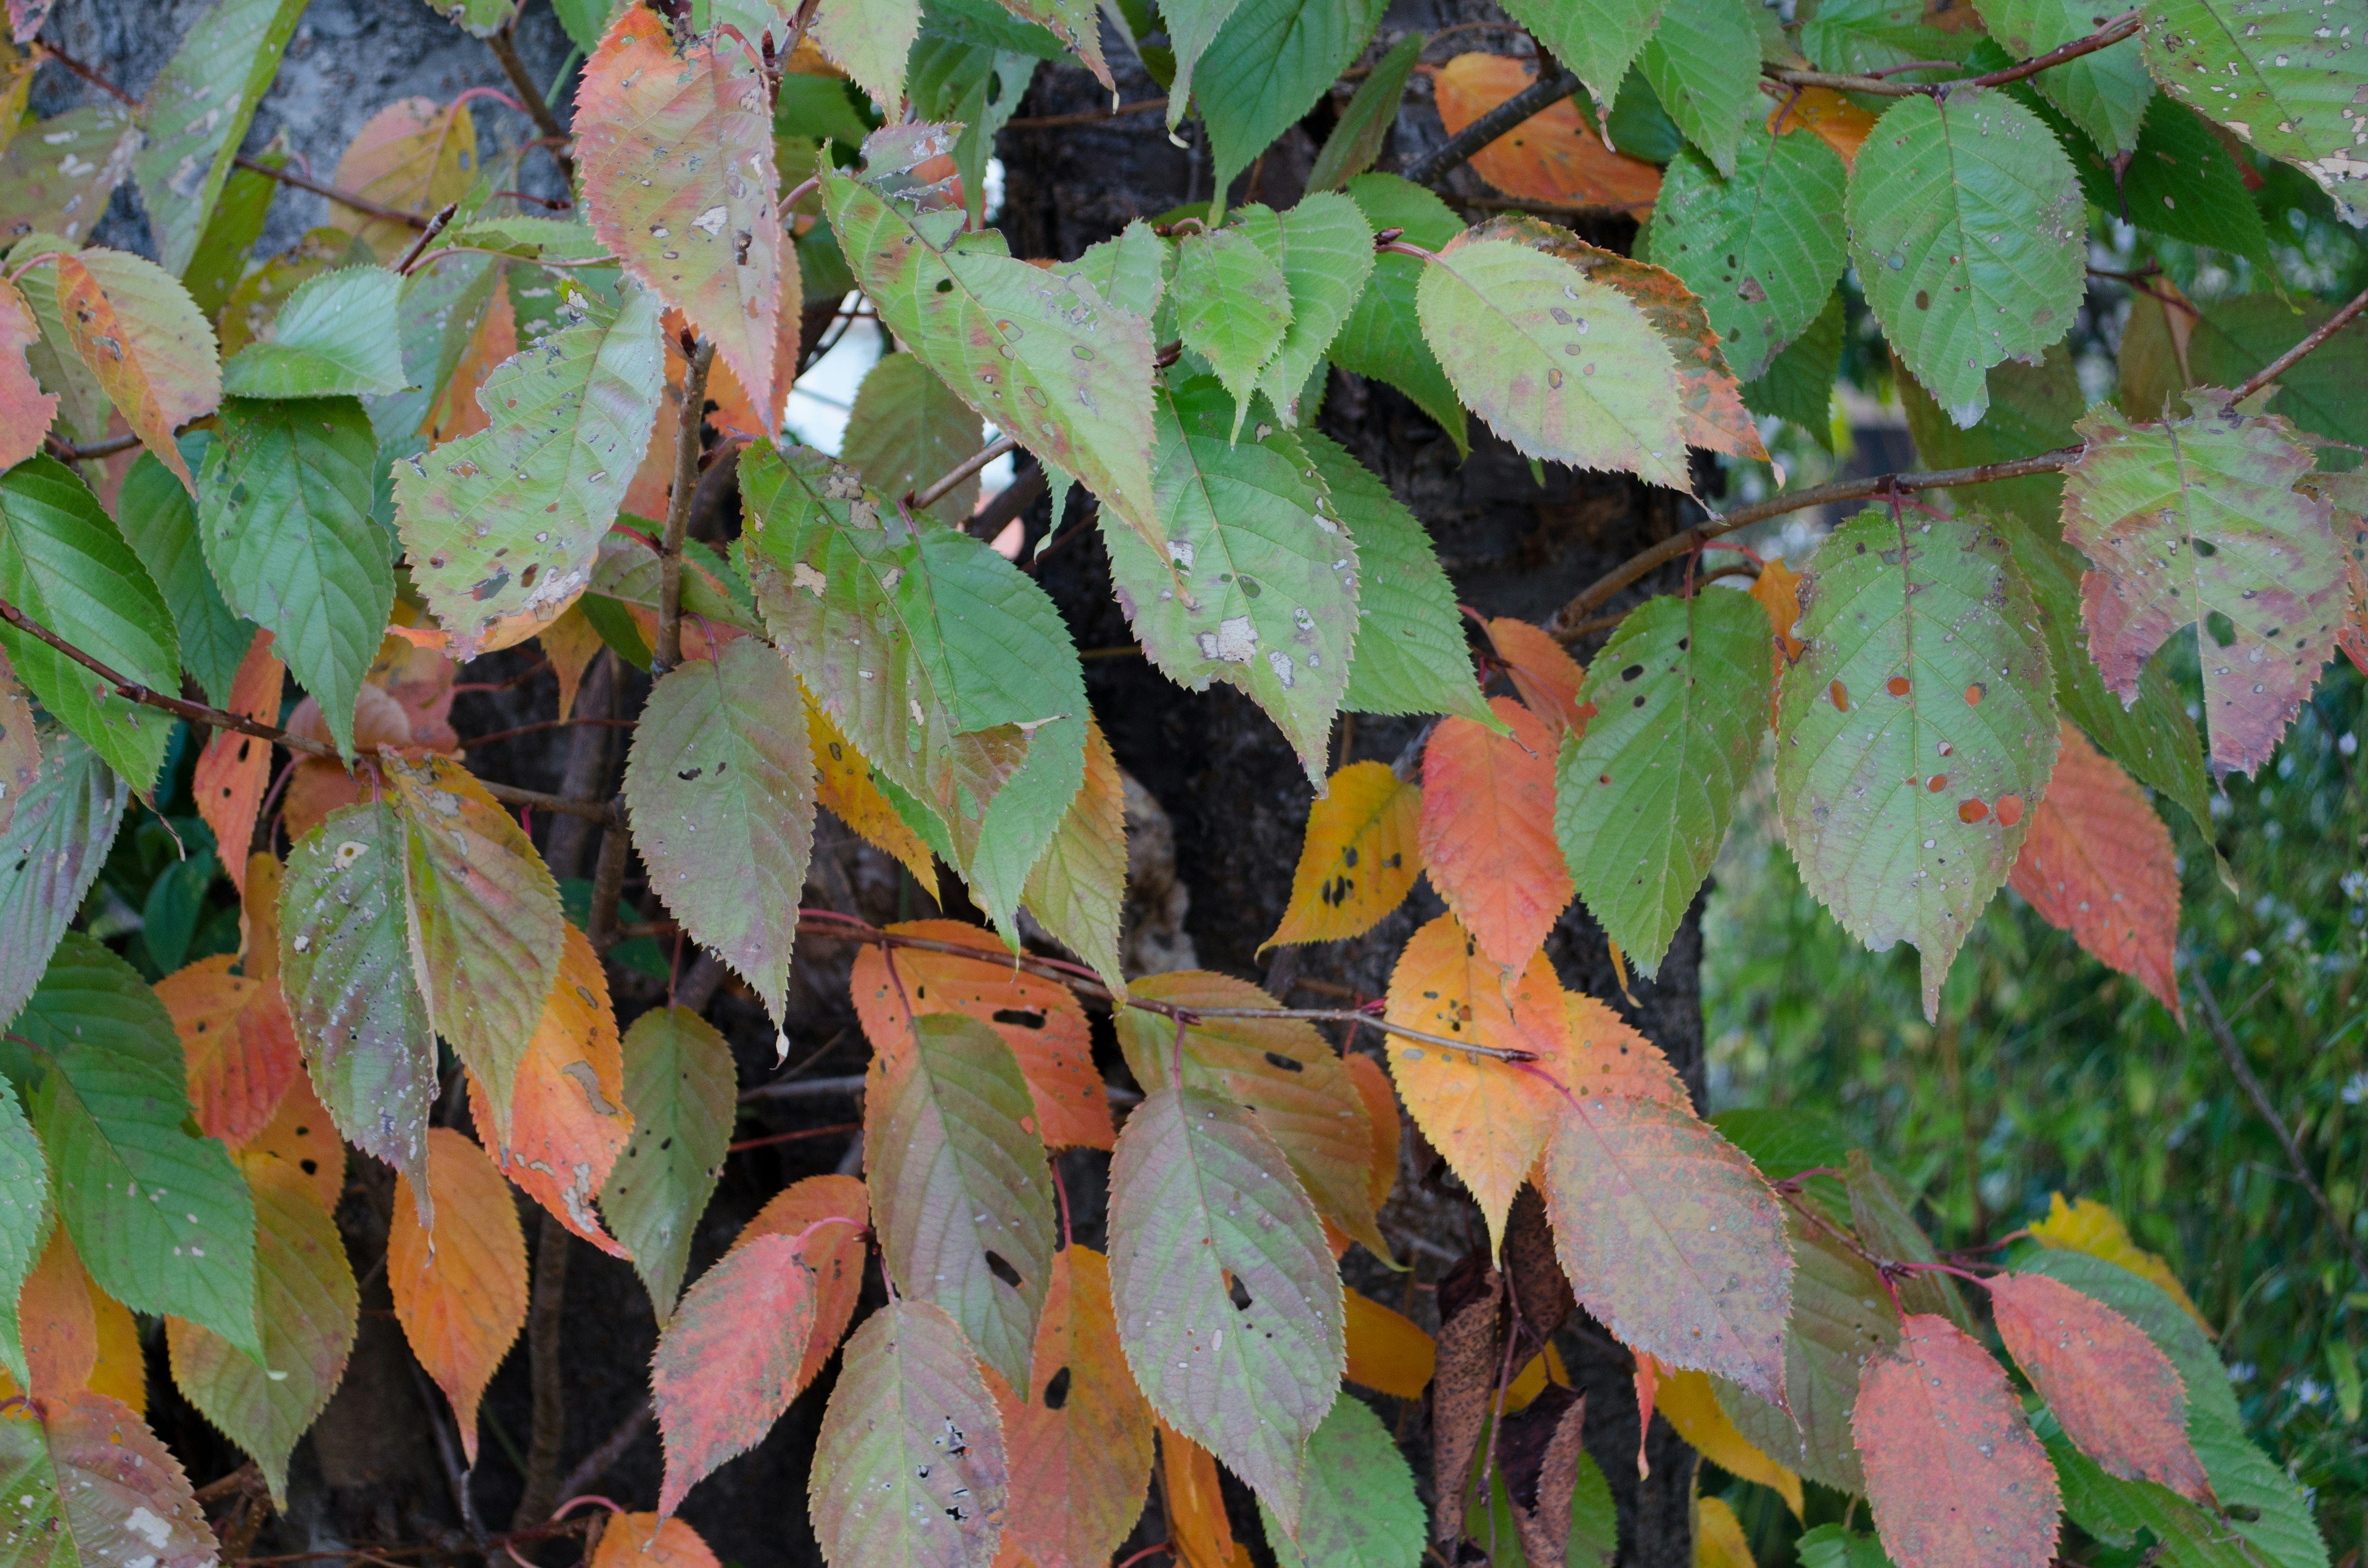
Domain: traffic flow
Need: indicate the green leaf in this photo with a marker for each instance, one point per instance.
(309, 1307)
(501, 526)
(160, 522)
(1355, 138)
(1704, 62)
(1798, 384)
(2104, 93)
(2114, 1510)
(1970, 236)
(1200, 1191)
(336, 337)
(1831, 1546)
(1325, 250)
(1762, 247)
(1268, 66)
(583, 21)
(25, 1217)
(1644, 794)
(1073, 22)
(84, 407)
(284, 514)
(1079, 889)
(1886, 1229)
(2197, 523)
(1359, 1508)
(1069, 377)
(722, 789)
(985, 22)
(979, 89)
(1231, 306)
(481, 18)
(63, 562)
(1859, 36)
(1410, 655)
(909, 1466)
(1916, 733)
(868, 41)
(161, 1217)
(1597, 39)
(50, 855)
(1027, 813)
(2181, 182)
(89, 1486)
(1840, 1317)
(960, 1191)
(229, 236)
(58, 180)
(2277, 77)
(1564, 368)
(345, 968)
(682, 1089)
(907, 431)
(530, 238)
(441, 306)
(1254, 582)
(1192, 26)
(1383, 337)
(1130, 269)
(2235, 337)
(198, 112)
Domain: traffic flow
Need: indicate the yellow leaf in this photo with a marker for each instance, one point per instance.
(843, 782)
(1361, 858)
(570, 643)
(1718, 1536)
(1372, 1080)
(460, 1294)
(1687, 1401)
(416, 154)
(1531, 1381)
(301, 1134)
(2092, 1227)
(1388, 1352)
(1826, 115)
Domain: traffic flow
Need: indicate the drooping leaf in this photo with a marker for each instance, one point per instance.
(1355, 138)
(679, 181)
(1918, 730)
(2275, 77)
(680, 1087)
(567, 1117)
(345, 968)
(1078, 1436)
(721, 784)
(1562, 367)
(1040, 1019)
(2180, 181)
(835, 1254)
(64, 565)
(1388, 1351)
(1282, 1069)
(307, 1309)
(229, 779)
(1489, 1118)
(1952, 1470)
(239, 1046)
(493, 557)
(1267, 65)
(416, 155)
(1192, 25)
(1840, 1318)
(1254, 581)
(2197, 523)
(959, 1187)
(2119, 1396)
(726, 1365)
(198, 112)
(1361, 1510)
(1199, 1191)
(2104, 93)
(1762, 247)
(1488, 838)
(1360, 860)
(1383, 337)
(909, 1467)
(843, 783)
(24, 1221)
(1701, 63)
(460, 1288)
(111, 1109)
(2098, 863)
(1555, 156)
(1644, 797)
(1968, 230)
(25, 410)
(1324, 250)
(1078, 890)
(140, 335)
(1798, 384)
(87, 1483)
(1076, 388)
(1198, 1521)
(50, 855)
(908, 430)
(485, 930)
(1231, 307)
(1547, 677)
(336, 337)
(1689, 1403)
(1597, 39)
(284, 516)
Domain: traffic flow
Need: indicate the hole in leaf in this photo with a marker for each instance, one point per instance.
(1239, 1295)
(1023, 1017)
(1279, 1060)
(2223, 629)
(997, 1265)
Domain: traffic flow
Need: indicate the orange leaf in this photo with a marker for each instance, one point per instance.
(1551, 157)
(1360, 860)
(239, 1043)
(1388, 1352)
(1490, 1119)
(2098, 863)
(1198, 1529)
(2117, 1395)
(416, 154)
(1488, 831)
(1038, 1019)
(644, 1540)
(232, 771)
(149, 350)
(1955, 1477)
(1078, 1441)
(727, 1363)
(456, 412)
(1777, 589)
(460, 1293)
(1600, 1055)
(568, 1118)
(1547, 677)
(57, 1320)
(1826, 115)
(843, 782)
(25, 410)
(302, 1134)
(736, 413)
(1372, 1080)
(571, 642)
(835, 1252)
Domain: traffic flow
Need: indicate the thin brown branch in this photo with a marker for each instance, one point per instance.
(53, 52)
(923, 499)
(669, 651)
(1536, 98)
(410, 258)
(2318, 335)
(612, 1449)
(546, 1354)
(473, 742)
(1091, 117)
(342, 198)
(70, 453)
(554, 136)
(2112, 32)
(2105, 37)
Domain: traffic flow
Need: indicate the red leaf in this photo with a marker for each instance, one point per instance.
(233, 769)
(2098, 863)
(91, 1483)
(1955, 1477)
(25, 409)
(727, 1365)
(1488, 831)
(835, 1252)
(1547, 677)
(2115, 1392)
